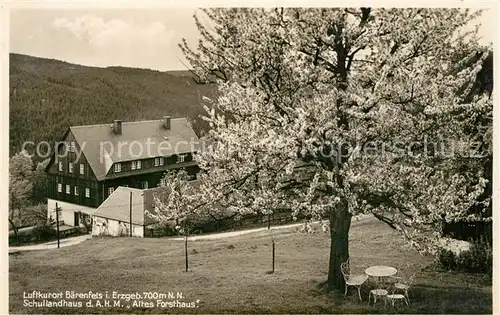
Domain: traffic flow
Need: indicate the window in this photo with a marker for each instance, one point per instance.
(110, 190)
(180, 158)
(145, 185)
(118, 167)
(60, 166)
(70, 167)
(71, 146)
(68, 189)
(162, 182)
(87, 192)
(76, 190)
(59, 187)
(82, 169)
(136, 165)
(159, 161)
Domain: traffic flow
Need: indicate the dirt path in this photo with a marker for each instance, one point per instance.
(78, 239)
(51, 245)
(222, 235)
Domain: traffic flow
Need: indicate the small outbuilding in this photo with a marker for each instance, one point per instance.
(114, 216)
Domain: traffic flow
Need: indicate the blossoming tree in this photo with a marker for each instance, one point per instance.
(174, 200)
(341, 111)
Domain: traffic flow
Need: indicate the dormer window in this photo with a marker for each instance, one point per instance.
(181, 158)
(136, 165)
(118, 167)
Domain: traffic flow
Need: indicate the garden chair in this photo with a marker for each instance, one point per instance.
(380, 293)
(352, 280)
(393, 297)
(404, 285)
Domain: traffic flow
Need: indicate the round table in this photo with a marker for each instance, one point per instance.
(381, 271)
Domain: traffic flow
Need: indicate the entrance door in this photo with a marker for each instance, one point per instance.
(77, 219)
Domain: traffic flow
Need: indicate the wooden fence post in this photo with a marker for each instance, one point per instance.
(274, 255)
(130, 229)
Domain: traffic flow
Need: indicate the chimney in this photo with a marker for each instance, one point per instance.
(166, 122)
(117, 127)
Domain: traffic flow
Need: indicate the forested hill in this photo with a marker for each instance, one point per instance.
(47, 96)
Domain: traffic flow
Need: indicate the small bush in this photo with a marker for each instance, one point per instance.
(160, 231)
(447, 259)
(43, 232)
(479, 258)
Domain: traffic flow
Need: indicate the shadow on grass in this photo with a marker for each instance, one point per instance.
(427, 298)
(424, 299)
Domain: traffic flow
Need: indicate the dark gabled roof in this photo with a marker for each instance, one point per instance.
(117, 206)
(102, 147)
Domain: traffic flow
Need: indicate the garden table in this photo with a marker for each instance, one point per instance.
(381, 271)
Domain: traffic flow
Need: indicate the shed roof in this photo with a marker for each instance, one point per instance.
(117, 206)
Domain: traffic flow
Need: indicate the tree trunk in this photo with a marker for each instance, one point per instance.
(15, 230)
(19, 214)
(340, 223)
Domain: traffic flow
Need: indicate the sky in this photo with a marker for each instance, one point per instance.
(139, 38)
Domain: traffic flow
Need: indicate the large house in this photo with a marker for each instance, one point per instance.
(92, 161)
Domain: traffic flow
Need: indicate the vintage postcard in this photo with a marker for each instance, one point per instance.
(233, 157)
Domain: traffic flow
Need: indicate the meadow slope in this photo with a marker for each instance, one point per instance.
(232, 275)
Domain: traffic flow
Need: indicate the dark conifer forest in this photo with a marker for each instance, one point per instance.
(47, 96)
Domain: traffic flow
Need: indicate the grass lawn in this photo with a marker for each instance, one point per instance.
(231, 275)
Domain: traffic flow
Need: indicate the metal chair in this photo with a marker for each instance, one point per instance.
(352, 280)
(404, 285)
(396, 297)
(379, 293)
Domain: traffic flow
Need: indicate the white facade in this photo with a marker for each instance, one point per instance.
(68, 211)
(110, 227)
